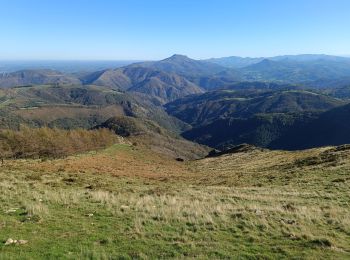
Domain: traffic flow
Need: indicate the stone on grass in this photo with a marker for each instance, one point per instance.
(11, 241)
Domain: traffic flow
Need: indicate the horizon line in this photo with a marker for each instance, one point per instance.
(139, 60)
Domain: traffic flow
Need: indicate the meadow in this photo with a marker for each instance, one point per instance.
(126, 202)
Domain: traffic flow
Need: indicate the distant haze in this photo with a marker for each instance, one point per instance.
(64, 66)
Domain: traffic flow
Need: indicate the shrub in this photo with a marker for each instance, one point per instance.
(46, 142)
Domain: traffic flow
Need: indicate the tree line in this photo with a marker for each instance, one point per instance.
(52, 142)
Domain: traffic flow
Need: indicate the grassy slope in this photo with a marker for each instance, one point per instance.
(269, 204)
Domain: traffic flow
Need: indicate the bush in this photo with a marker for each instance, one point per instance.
(46, 142)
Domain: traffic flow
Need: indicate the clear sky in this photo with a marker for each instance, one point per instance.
(155, 29)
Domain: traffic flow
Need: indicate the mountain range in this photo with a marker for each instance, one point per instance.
(240, 62)
(309, 70)
(278, 102)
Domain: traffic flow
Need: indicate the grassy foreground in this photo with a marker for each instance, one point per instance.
(127, 202)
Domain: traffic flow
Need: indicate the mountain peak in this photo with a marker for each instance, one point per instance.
(266, 61)
(177, 57)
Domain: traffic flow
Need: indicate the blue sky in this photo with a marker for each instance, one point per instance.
(154, 29)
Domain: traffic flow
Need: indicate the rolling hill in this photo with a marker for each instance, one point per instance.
(330, 128)
(274, 118)
(149, 134)
(287, 70)
(36, 77)
(241, 62)
(235, 61)
(183, 65)
(277, 131)
(159, 84)
(261, 130)
(77, 106)
(203, 73)
(205, 108)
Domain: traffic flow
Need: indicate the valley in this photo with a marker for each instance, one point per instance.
(212, 102)
(177, 158)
